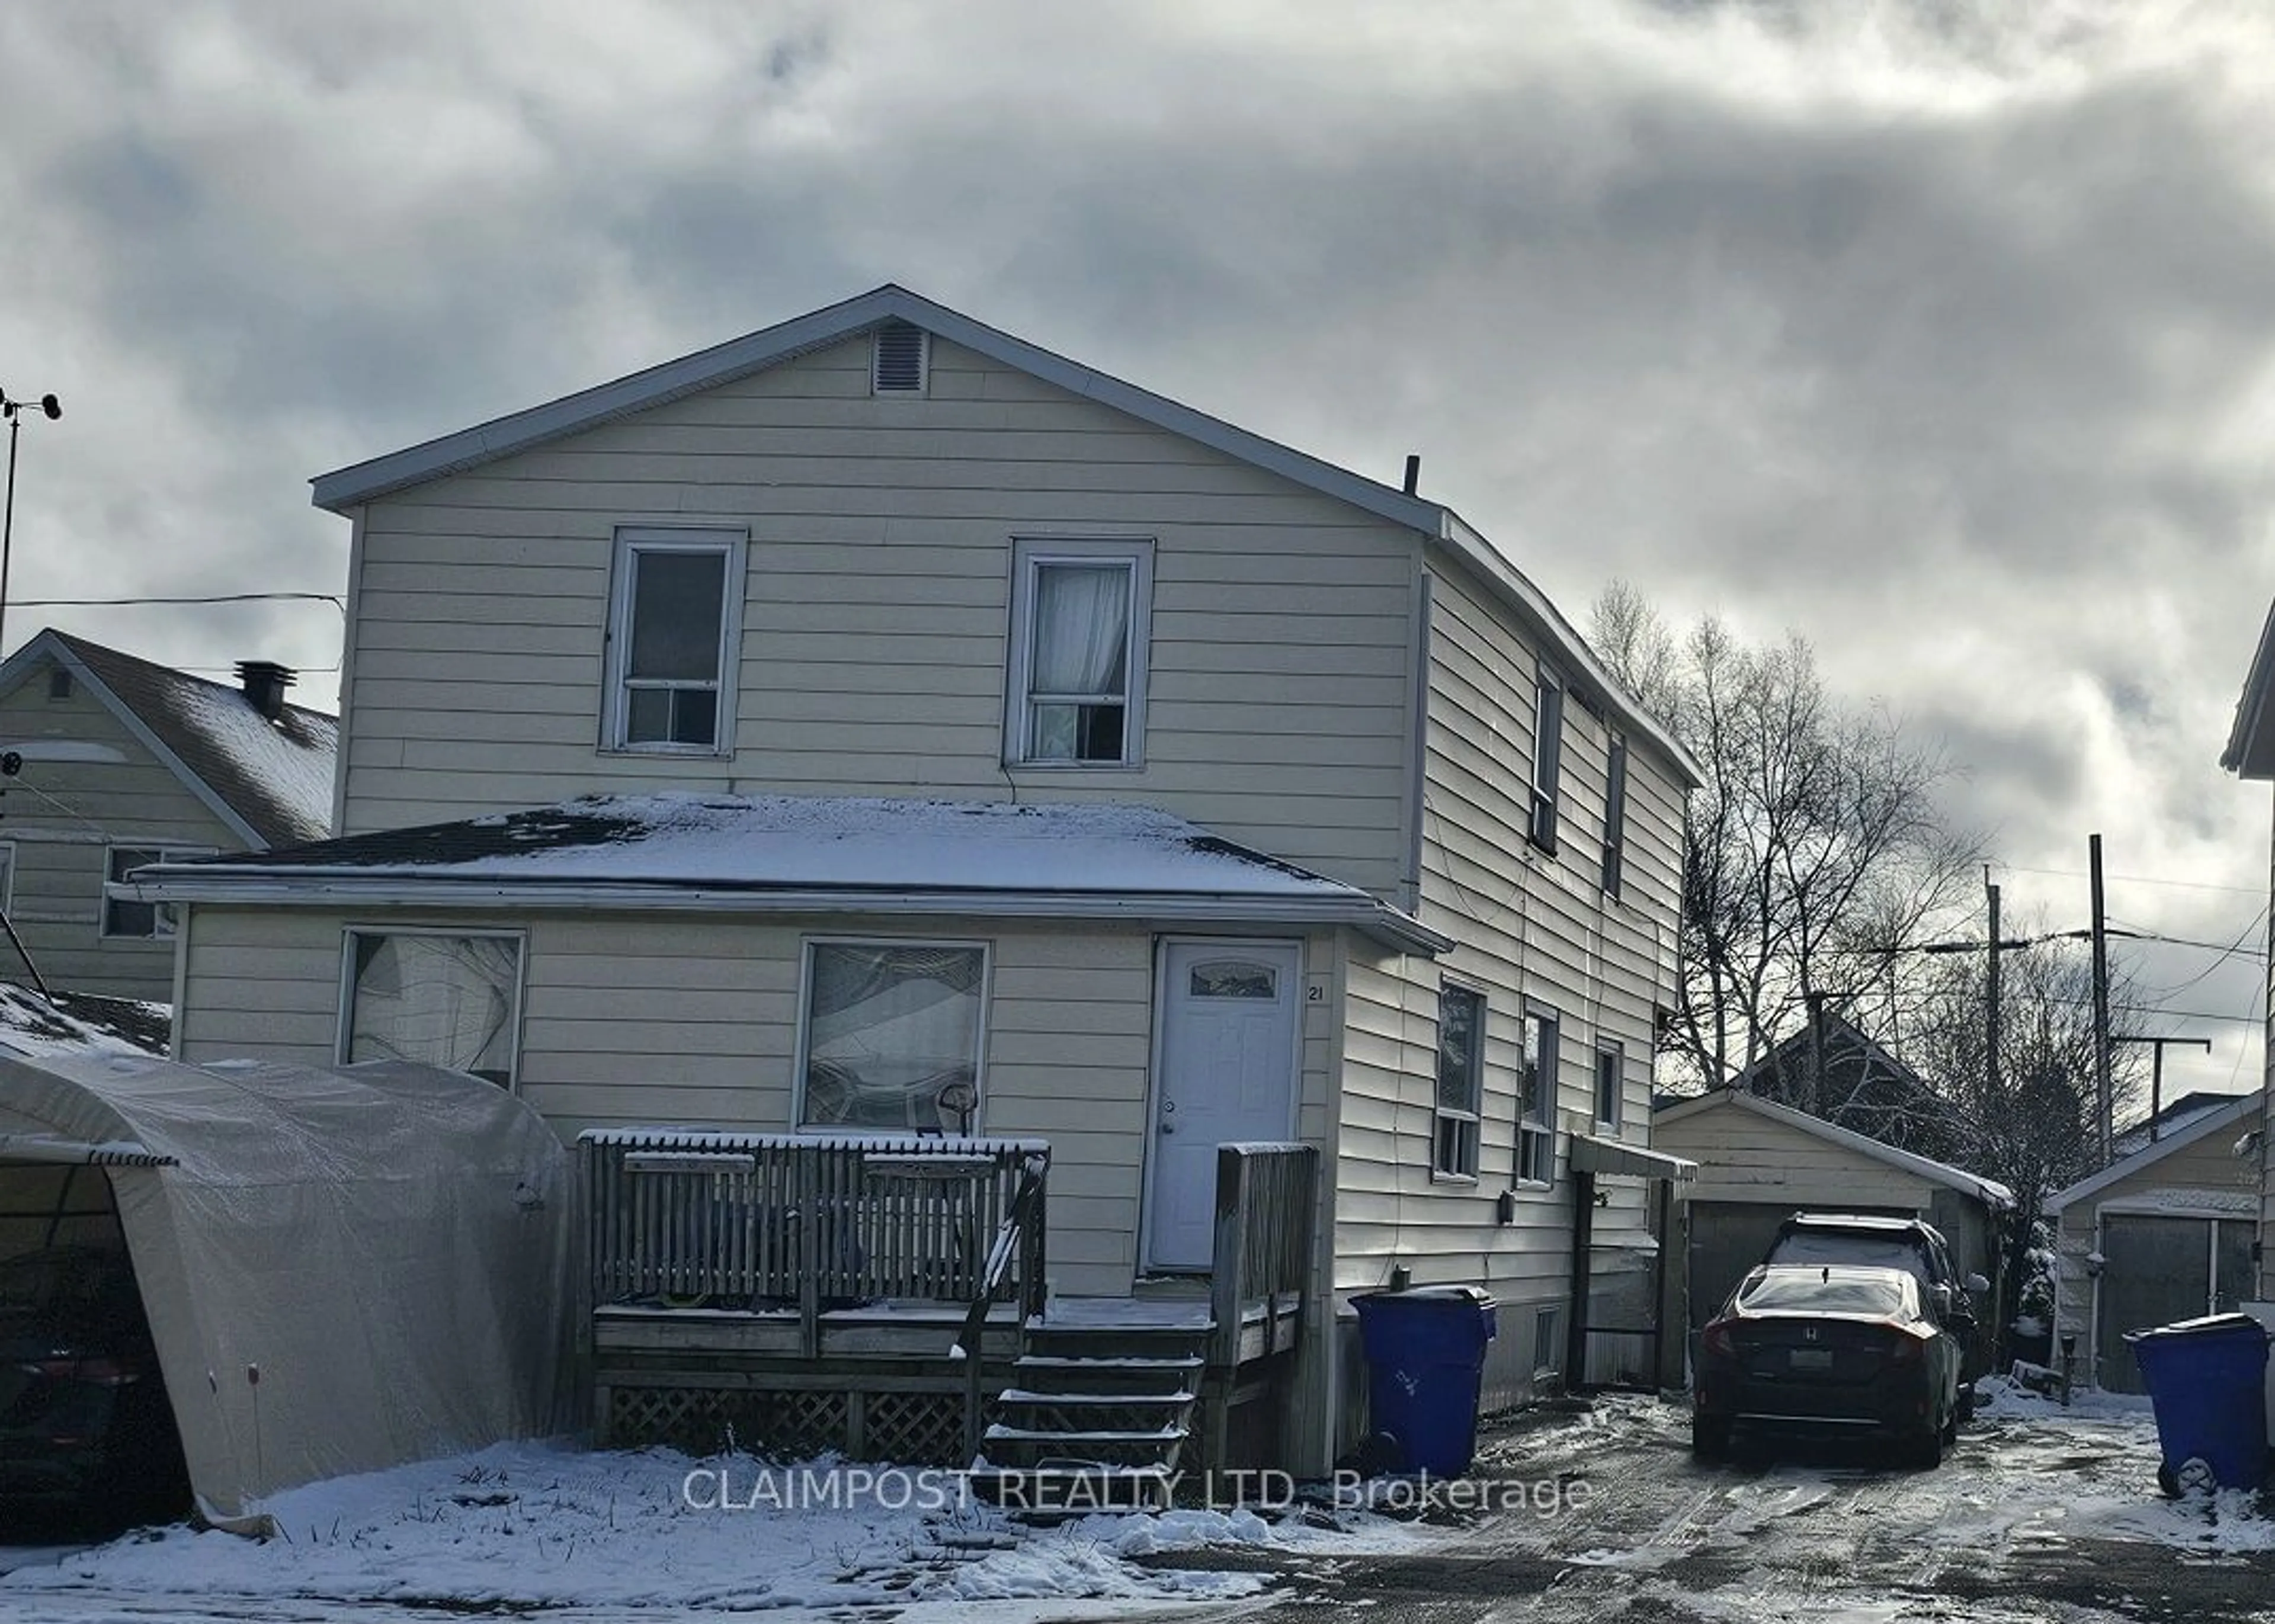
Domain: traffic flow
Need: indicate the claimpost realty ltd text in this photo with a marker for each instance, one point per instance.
(896, 1488)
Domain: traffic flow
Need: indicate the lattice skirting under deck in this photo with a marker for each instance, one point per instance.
(916, 1429)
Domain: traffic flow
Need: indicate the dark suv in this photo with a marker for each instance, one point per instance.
(1907, 1244)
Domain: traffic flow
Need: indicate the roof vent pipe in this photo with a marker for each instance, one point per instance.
(265, 683)
(1413, 472)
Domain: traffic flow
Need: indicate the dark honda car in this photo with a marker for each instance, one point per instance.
(85, 1431)
(1827, 1351)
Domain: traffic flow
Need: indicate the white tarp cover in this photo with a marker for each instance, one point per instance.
(386, 1243)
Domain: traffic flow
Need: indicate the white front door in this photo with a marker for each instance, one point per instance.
(1229, 1064)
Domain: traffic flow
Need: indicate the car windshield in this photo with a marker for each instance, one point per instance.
(1826, 1291)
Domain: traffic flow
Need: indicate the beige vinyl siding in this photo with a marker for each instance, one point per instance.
(1743, 1156)
(637, 1019)
(876, 613)
(61, 817)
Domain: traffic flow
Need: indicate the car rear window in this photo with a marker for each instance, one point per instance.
(1867, 1250)
(1790, 1291)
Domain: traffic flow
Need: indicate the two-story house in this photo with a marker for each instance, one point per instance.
(880, 725)
(119, 762)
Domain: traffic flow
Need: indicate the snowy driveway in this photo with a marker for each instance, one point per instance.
(2040, 1515)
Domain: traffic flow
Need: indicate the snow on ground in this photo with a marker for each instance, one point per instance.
(547, 1526)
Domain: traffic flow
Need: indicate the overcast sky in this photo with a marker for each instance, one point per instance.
(1942, 332)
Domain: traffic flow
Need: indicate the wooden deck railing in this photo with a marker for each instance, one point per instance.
(811, 1222)
(1019, 1246)
(1265, 1197)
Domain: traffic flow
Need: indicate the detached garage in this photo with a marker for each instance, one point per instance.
(342, 1267)
(2165, 1234)
(1760, 1162)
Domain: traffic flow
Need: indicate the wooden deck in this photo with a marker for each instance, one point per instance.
(883, 1297)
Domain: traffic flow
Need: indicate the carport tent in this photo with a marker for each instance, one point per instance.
(344, 1267)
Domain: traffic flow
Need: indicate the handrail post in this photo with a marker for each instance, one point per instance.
(807, 1161)
(1226, 1282)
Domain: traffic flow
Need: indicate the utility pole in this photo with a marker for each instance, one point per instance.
(2100, 1001)
(2156, 1070)
(1991, 1046)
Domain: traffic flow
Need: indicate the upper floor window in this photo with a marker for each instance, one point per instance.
(1536, 1128)
(1616, 813)
(441, 998)
(890, 1039)
(674, 634)
(1548, 755)
(124, 912)
(1461, 1080)
(1611, 1082)
(1080, 613)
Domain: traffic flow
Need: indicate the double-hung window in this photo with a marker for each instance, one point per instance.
(125, 913)
(1547, 755)
(1616, 813)
(1611, 1082)
(1080, 616)
(674, 636)
(444, 998)
(1536, 1127)
(1461, 1081)
(891, 1037)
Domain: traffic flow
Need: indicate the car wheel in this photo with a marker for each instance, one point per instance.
(1710, 1438)
(1926, 1451)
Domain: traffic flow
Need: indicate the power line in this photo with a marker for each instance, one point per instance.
(2137, 879)
(334, 599)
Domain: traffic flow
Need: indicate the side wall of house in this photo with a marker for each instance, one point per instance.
(1535, 931)
(63, 816)
(876, 614)
(694, 1021)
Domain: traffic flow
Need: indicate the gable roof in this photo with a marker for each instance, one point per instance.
(806, 854)
(269, 781)
(2240, 1110)
(343, 489)
(2250, 751)
(1989, 1191)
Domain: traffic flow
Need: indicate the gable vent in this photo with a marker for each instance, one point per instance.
(897, 366)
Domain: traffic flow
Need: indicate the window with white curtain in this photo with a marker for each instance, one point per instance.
(1080, 613)
(674, 640)
(451, 1000)
(890, 1037)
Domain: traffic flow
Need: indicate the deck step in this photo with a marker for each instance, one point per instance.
(1055, 1492)
(1062, 1399)
(1074, 1439)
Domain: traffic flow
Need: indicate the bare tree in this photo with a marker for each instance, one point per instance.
(1814, 846)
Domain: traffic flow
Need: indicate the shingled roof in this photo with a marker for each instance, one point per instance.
(272, 781)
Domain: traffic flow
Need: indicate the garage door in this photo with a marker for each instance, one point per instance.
(2155, 1271)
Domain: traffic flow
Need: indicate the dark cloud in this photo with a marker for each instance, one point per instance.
(1938, 331)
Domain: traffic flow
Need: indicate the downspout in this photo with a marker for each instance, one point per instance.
(1576, 1332)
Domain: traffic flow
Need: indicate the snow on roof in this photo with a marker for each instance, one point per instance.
(77, 1023)
(858, 845)
(274, 778)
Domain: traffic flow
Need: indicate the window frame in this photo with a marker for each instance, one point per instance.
(1030, 556)
(801, 1054)
(1615, 814)
(117, 891)
(632, 541)
(349, 934)
(1611, 1053)
(1451, 1128)
(1538, 1063)
(1547, 755)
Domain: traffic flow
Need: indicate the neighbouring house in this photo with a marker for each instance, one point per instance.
(1760, 1161)
(986, 855)
(121, 763)
(1832, 1069)
(2250, 754)
(2162, 1234)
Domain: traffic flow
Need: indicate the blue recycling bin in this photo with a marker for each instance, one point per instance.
(2207, 1379)
(1425, 1354)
